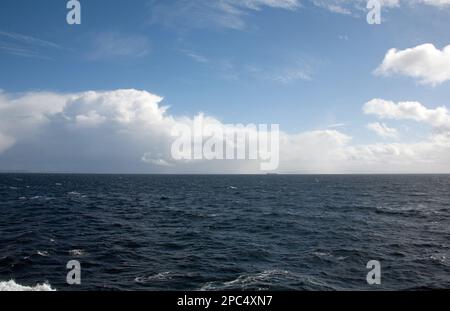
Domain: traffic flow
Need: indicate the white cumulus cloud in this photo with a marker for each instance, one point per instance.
(424, 62)
(438, 117)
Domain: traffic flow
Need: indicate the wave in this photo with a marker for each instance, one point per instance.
(440, 258)
(266, 280)
(419, 210)
(43, 253)
(163, 276)
(74, 193)
(325, 255)
(12, 286)
(77, 252)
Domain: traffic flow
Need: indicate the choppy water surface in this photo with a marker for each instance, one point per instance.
(224, 232)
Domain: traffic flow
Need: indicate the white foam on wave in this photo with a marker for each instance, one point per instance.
(163, 276)
(439, 258)
(264, 281)
(321, 254)
(243, 281)
(43, 253)
(74, 193)
(12, 286)
(328, 255)
(77, 252)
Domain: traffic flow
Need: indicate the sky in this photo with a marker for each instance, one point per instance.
(103, 96)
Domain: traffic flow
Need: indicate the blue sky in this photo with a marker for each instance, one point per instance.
(297, 63)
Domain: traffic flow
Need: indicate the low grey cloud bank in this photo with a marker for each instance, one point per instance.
(129, 131)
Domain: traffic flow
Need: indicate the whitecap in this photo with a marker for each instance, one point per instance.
(74, 193)
(439, 258)
(321, 254)
(12, 286)
(77, 252)
(328, 255)
(157, 277)
(43, 253)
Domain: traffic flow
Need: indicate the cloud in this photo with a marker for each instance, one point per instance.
(333, 6)
(424, 62)
(421, 157)
(283, 75)
(354, 7)
(291, 75)
(232, 14)
(5, 142)
(383, 130)
(23, 115)
(319, 151)
(428, 156)
(437, 118)
(90, 119)
(351, 7)
(195, 56)
(258, 4)
(130, 131)
(26, 46)
(287, 71)
(112, 45)
(212, 13)
(437, 3)
(29, 40)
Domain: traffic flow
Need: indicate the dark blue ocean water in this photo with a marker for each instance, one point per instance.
(225, 232)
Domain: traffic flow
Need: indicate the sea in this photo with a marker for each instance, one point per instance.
(224, 232)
